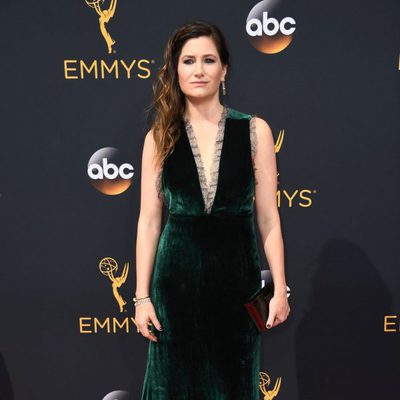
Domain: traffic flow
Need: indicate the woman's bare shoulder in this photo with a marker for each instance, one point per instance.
(260, 133)
(262, 126)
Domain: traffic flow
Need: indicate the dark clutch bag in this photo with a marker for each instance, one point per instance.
(258, 305)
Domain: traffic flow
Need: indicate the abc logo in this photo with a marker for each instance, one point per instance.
(108, 173)
(264, 26)
(117, 395)
(268, 32)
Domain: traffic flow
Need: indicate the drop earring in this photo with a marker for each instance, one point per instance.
(223, 88)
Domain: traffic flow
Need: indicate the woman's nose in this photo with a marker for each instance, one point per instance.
(199, 69)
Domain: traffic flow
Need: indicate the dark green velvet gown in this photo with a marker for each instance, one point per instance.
(206, 268)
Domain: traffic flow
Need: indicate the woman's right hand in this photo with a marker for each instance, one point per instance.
(144, 314)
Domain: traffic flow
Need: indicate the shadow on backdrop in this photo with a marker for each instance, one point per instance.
(342, 351)
(6, 392)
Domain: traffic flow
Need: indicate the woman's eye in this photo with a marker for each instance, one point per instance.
(189, 61)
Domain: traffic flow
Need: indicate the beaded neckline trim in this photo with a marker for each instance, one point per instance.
(208, 189)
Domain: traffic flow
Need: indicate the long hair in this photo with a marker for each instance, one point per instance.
(168, 103)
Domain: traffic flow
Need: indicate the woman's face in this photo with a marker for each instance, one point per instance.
(200, 70)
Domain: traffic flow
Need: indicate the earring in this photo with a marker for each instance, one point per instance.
(223, 88)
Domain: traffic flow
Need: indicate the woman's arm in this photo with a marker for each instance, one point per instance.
(150, 218)
(268, 219)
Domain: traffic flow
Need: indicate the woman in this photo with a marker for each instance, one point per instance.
(211, 165)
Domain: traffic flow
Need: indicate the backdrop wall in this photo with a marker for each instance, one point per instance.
(327, 82)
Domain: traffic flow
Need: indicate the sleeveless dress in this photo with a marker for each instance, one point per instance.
(206, 267)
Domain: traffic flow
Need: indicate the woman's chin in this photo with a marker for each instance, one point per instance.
(197, 94)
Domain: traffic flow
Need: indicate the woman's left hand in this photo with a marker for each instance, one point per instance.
(278, 310)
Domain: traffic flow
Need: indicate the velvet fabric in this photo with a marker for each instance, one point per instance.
(206, 268)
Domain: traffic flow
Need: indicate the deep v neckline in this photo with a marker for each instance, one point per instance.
(208, 189)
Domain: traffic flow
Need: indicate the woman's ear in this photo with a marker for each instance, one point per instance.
(224, 71)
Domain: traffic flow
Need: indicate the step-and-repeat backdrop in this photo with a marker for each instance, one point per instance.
(75, 84)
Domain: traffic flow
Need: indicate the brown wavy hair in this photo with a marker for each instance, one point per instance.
(168, 103)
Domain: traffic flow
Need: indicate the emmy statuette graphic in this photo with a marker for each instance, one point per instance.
(279, 141)
(265, 381)
(108, 266)
(104, 18)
